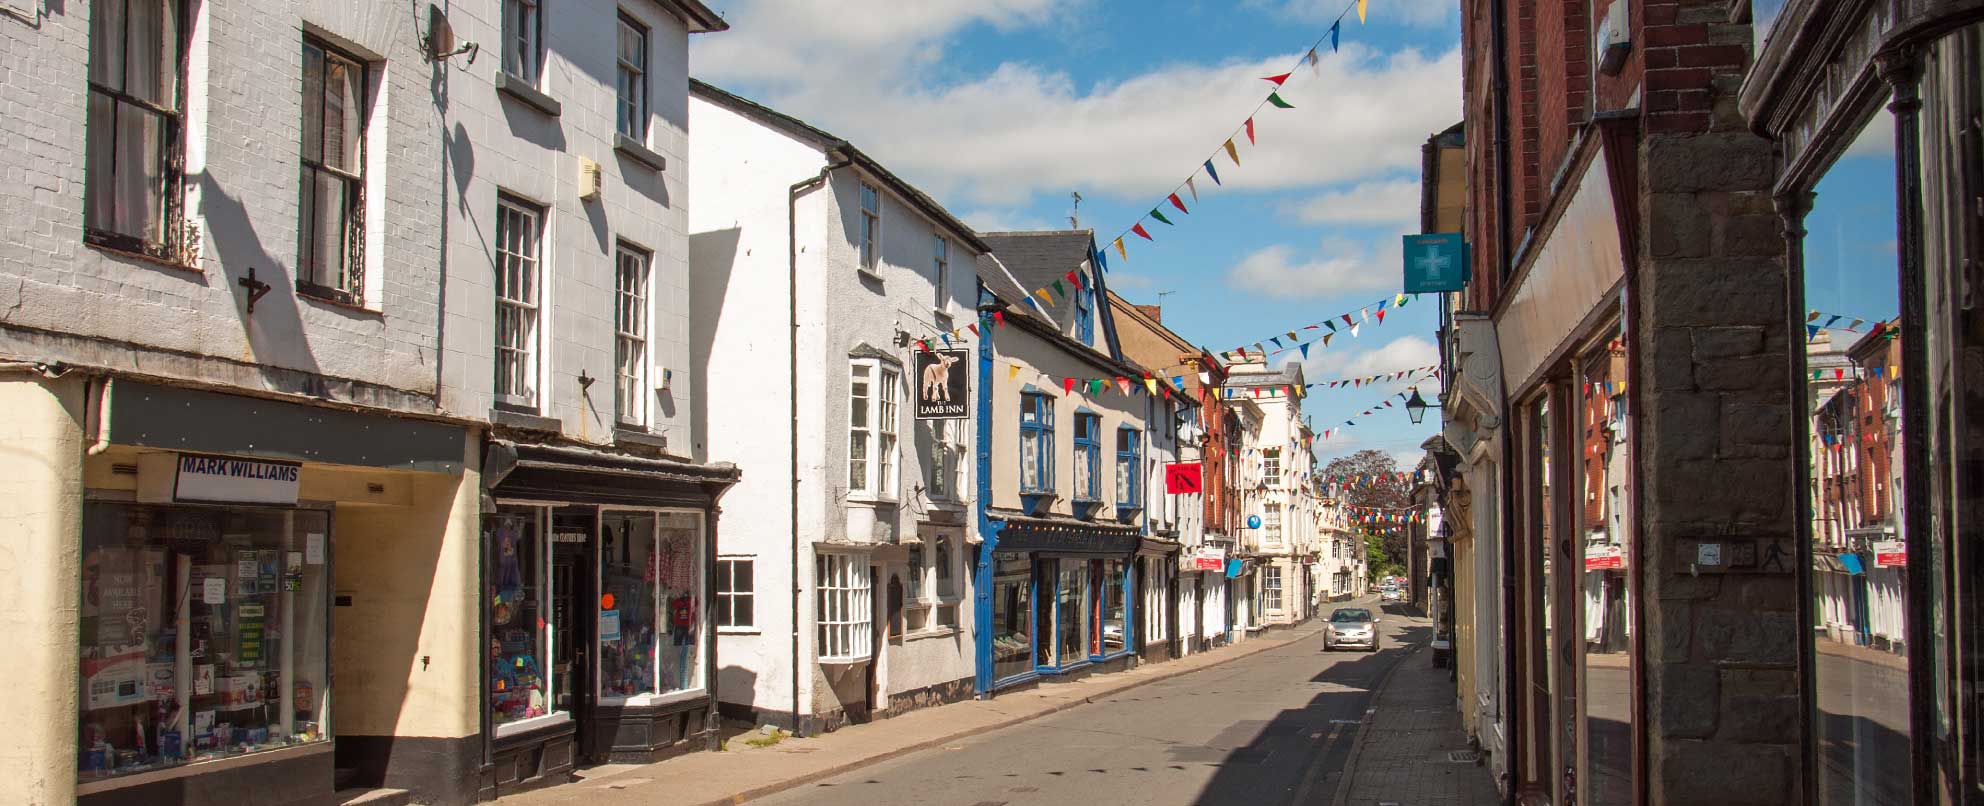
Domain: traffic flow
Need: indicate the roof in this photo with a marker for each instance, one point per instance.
(829, 142)
(1039, 258)
(1290, 373)
(699, 18)
(993, 273)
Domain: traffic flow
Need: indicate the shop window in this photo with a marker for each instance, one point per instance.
(1539, 664)
(331, 229)
(679, 580)
(519, 644)
(630, 603)
(1036, 443)
(1608, 593)
(205, 634)
(1860, 568)
(1012, 614)
(1088, 454)
(631, 80)
(1113, 611)
(630, 335)
(518, 225)
(735, 593)
(844, 607)
(1073, 604)
(134, 125)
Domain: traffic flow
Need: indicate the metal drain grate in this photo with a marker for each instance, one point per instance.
(1463, 756)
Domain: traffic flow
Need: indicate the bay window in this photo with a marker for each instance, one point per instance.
(844, 607)
(874, 406)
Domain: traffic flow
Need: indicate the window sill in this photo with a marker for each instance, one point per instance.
(868, 272)
(524, 421)
(156, 260)
(872, 500)
(624, 434)
(528, 95)
(739, 631)
(332, 297)
(931, 632)
(633, 150)
(849, 661)
(533, 723)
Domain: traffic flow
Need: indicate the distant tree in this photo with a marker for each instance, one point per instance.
(1379, 564)
(1387, 493)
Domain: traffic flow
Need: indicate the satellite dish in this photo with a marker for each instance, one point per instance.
(441, 37)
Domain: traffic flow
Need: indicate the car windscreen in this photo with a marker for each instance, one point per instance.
(1350, 615)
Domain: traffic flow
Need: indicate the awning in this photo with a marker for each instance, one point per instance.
(584, 475)
(1851, 562)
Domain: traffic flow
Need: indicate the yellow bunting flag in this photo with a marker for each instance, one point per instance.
(1151, 384)
(1119, 250)
(1231, 152)
(1012, 371)
(1043, 295)
(1361, 4)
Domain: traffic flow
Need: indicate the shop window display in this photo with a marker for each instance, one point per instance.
(1114, 602)
(629, 571)
(1607, 585)
(518, 688)
(679, 571)
(1012, 614)
(204, 634)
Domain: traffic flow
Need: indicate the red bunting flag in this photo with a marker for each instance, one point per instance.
(1277, 79)
(1075, 278)
(974, 330)
(1139, 229)
(1250, 131)
(1381, 316)
(1068, 385)
(1178, 203)
(999, 318)
(1123, 384)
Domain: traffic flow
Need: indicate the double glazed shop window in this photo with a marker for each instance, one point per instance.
(204, 634)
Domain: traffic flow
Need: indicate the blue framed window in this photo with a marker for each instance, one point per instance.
(1085, 314)
(1088, 456)
(1036, 443)
(1129, 464)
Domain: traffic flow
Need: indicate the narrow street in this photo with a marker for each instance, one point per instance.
(1272, 728)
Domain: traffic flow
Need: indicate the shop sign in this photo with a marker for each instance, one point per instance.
(1182, 478)
(1890, 554)
(1434, 262)
(242, 481)
(942, 392)
(1207, 558)
(1604, 558)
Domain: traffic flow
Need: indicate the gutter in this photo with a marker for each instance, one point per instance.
(835, 153)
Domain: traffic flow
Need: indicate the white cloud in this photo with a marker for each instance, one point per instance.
(1335, 266)
(1335, 363)
(1019, 129)
(1392, 201)
(1409, 12)
(1004, 220)
(1121, 281)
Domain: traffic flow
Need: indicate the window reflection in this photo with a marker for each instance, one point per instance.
(1608, 599)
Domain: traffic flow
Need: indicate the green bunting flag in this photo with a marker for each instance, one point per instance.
(1159, 215)
(1275, 98)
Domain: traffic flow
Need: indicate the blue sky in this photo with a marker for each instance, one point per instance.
(1850, 267)
(1001, 108)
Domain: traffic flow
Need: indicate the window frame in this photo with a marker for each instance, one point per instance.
(1088, 453)
(630, 396)
(630, 103)
(529, 53)
(731, 599)
(942, 471)
(1037, 425)
(1271, 586)
(1271, 521)
(1085, 312)
(878, 432)
(1271, 465)
(843, 602)
(309, 280)
(1129, 467)
(530, 369)
(868, 252)
(172, 148)
(941, 268)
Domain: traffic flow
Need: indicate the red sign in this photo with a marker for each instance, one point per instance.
(1182, 478)
(1600, 563)
(1890, 554)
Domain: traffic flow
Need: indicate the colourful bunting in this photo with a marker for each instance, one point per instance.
(1275, 98)
(1192, 185)
(1336, 30)
(1212, 173)
(1068, 385)
(1159, 215)
(1231, 152)
(1179, 203)
(1139, 229)
(1250, 131)
(1277, 79)
(1119, 250)
(1361, 6)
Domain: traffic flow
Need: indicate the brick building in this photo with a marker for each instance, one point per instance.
(1617, 358)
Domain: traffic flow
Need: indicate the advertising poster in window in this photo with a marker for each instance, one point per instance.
(942, 391)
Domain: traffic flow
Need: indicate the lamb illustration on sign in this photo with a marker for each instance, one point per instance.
(943, 391)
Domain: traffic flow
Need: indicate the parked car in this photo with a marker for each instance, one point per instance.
(1351, 627)
(1392, 595)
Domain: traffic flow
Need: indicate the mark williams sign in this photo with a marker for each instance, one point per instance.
(942, 392)
(229, 480)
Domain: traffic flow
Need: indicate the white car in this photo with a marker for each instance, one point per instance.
(1392, 595)
(1351, 627)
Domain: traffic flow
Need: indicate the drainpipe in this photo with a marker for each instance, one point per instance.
(988, 529)
(840, 160)
(1503, 251)
(1500, 52)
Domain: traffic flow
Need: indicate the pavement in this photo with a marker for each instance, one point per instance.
(1273, 720)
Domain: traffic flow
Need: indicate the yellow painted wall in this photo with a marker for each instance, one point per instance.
(1042, 364)
(41, 521)
(1462, 655)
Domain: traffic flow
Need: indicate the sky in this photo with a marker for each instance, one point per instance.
(1001, 108)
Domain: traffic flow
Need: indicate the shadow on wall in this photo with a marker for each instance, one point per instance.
(275, 330)
(712, 259)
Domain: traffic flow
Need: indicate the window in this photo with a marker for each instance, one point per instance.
(517, 231)
(942, 468)
(1012, 614)
(1112, 635)
(1073, 605)
(519, 644)
(1088, 454)
(874, 403)
(1271, 521)
(942, 273)
(1085, 312)
(887, 414)
(1036, 443)
(632, 80)
(1271, 465)
(331, 227)
(1271, 586)
(629, 605)
(205, 633)
(871, 225)
(845, 607)
(735, 596)
(947, 586)
(1129, 464)
(915, 573)
(630, 341)
(131, 196)
(521, 57)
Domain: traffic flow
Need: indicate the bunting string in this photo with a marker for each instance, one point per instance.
(1319, 331)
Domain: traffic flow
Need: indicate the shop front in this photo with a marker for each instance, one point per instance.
(596, 578)
(225, 570)
(1062, 600)
(1157, 594)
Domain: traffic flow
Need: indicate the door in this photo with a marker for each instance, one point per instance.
(574, 617)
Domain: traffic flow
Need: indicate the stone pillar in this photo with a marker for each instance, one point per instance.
(1720, 649)
(41, 527)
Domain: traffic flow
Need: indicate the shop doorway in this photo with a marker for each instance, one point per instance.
(573, 618)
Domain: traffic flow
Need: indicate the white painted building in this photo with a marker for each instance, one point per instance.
(1279, 489)
(817, 273)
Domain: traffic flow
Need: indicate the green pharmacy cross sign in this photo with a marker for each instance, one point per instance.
(1434, 262)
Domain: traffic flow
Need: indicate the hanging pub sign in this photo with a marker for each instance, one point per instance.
(225, 479)
(1435, 262)
(942, 391)
(1182, 478)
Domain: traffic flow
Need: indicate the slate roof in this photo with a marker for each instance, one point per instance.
(1290, 373)
(1039, 258)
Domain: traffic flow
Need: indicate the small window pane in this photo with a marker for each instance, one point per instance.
(107, 43)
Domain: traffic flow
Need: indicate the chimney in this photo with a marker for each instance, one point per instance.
(1155, 313)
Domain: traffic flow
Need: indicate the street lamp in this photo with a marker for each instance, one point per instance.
(1416, 406)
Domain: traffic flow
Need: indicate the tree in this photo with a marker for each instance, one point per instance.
(1377, 562)
(1368, 482)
